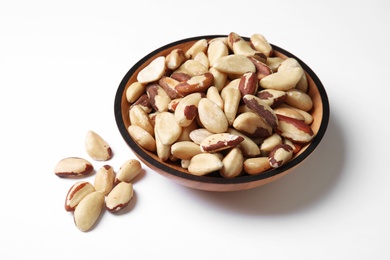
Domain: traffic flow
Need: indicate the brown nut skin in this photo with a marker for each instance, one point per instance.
(262, 109)
(295, 130)
(144, 102)
(219, 142)
(169, 84)
(158, 97)
(76, 193)
(248, 84)
(198, 83)
(73, 167)
(281, 154)
(272, 97)
(262, 69)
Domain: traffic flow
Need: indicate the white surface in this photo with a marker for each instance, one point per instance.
(60, 66)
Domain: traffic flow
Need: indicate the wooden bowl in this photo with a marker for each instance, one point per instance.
(214, 182)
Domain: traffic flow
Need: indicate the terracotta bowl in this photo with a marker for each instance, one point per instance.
(214, 182)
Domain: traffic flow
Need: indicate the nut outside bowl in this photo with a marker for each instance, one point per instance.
(214, 182)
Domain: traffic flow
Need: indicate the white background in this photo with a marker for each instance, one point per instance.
(60, 65)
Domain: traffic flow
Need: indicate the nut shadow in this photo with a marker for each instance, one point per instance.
(301, 189)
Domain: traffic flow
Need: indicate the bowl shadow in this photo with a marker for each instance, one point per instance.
(301, 189)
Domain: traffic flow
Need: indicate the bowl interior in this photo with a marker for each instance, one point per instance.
(215, 182)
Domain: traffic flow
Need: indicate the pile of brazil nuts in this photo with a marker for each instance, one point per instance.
(223, 105)
(110, 190)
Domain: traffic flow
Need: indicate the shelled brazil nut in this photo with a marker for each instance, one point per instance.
(227, 97)
(109, 190)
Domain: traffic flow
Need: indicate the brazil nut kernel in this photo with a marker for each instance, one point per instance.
(228, 101)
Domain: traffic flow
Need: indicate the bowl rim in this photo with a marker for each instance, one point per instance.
(210, 179)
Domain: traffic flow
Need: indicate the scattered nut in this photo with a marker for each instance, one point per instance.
(88, 210)
(96, 147)
(104, 179)
(119, 197)
(76, 193)
(73, 167)
(128, 171)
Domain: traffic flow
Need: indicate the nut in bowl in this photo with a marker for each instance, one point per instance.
(221, 112)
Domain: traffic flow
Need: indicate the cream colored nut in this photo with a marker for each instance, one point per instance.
(166, 127)
(271, 142)
(76, 193)
(140, 117)
(185, 150)
(299, 99)
(234, 64)
(163, 151)
(232, 163)
(256, 165)
(187, 109)
(128, 171)
(281, 154)
(199, 46)
(214, 95)
(218, 142)
(185, 163)
(186, 131)
(220, 78)
(73, 167)
(262, 109)
(174, 59)
(274, 62)
(134, 91)
(302, 84)
(231, 84)
(239, 46)
(289, 112)
(248, 147)
(88, 210)
(283, 80)
(158, 97)
(294, 129)
(119, 197)
(198, 135)
(198, 83)
(169, 84)
(152, 72)
(216, 49)
(96, 147)
(191, 68)
(202, 58)
(212, 116)
(142, 137)
(261, 44)
(104, 179)
(248, 83)
(231, 102)
(262, 69)
(252, 125)
(272, 97)
(204, 163)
